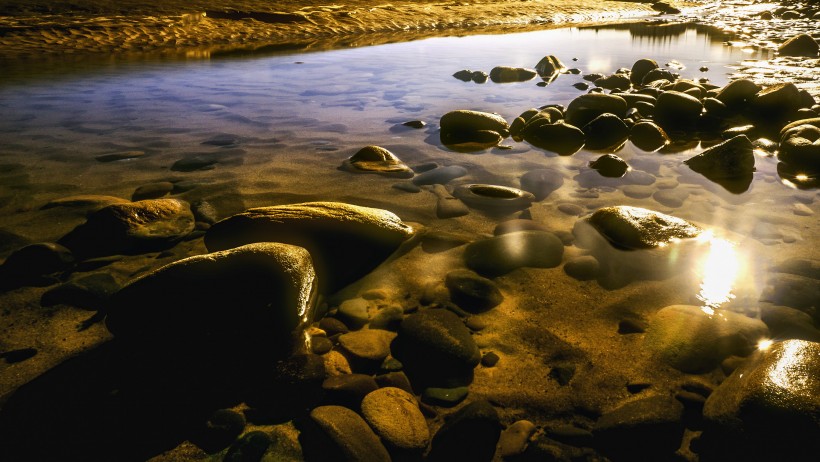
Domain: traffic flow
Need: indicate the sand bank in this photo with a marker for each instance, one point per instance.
(38, 28)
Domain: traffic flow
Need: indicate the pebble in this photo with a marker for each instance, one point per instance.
(676, 108)
(583, 268)
(439, 175)
(352, 439)
(638, 191)
(610, 165)
(377, 159)
(395, 416)
(354, 313)
(501, 254)
(472, 292)
(406, 187)
(489, 359)
(737, 92)
(333, 326)
(571, 209)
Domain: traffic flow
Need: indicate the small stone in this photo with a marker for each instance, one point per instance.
(501, 254)
(354, 313)
(583, 268)
(415, 124)
(444, 397)
(472, 292)
(89, 202)
(377, 159)
(395, 416)
(88, 292)
(489, 359)
(463, 126)
(152, 190)
(465, 75)
(571, 209)
(514, 439)
(610, 165)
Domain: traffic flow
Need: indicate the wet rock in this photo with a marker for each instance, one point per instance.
(800, 147)
(346, 241)
(768, 408)
(470, 434)
(415, 124)
(610, 165)
(501, 254)
(614, 82)
(799, 45)
(348, 389)
(205, 212)
(251, 298)
(648, 136)
(340, 434)
(542, 182)
(395, 416)
(221, 429)
(549, 67)
(395, 378)
(581, 86)
(737, 92)
(695, 340)
(479, 76)
(571, 209)
(636, 228)
(793, 290)
(388, 318)
(480, 128)
(377, 159)
(440, 175)
(367, 344)
(354, 313)
(733, 158)
(716, 108)
(493, 198)
(674, 108)
(436, 348)
(465, 75)
(135, 227)
(514, 439)
(605, 131)
(472, 292)
(644, 429)
(89, 292)
(152, 190)
(655, 76)
(583, 268)
(29, 263)
(489, 359)
(444, 397)
(584, 108)
(504, 74)
(777, 101)
(561, 138)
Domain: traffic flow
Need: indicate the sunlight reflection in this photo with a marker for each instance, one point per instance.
(788, 372)
(765, 344)
(720, 270)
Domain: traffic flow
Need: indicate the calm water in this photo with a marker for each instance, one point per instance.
(279, 125)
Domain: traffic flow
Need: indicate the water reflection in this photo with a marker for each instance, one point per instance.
(719, 271)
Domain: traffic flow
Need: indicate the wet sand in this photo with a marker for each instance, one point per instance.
(37, 28)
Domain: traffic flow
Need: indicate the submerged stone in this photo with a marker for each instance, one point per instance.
(648, 428)
(440, 175)
(471, 433)
(693, 339)
(769, 408)
(377, 159)
(493, 198)
(472, 292)
(346, 241)
(629, 227)
(395, 416)
(501, 254)
(561, 138)
(610, 165)
(542, 182)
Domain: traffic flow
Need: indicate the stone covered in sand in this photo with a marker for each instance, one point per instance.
(133, 227)
(648, 428)
(340, 434)
(636, 228)
(695, 340)
(395, 416)
(253, 296)
(769, 408)
(92, 202)
(346, 241)
(542, 182)
(377, 159)
(472, 292)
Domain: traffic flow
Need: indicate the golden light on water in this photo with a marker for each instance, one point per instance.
(719, 271)
(765, 344)
(801, 177)
(789, 371)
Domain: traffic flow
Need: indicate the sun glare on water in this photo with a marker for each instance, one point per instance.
(719, 271)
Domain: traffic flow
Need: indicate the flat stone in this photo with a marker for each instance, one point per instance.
(369, 344)
(354, 312)
(514, 439)
(505, 74)
(445, 397)
(501, 254)
(472, 292)
(346, 241)
(394, 415)
(115, 156)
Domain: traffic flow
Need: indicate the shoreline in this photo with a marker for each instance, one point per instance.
(197, 27)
